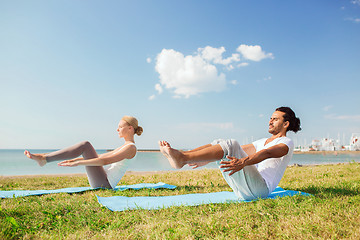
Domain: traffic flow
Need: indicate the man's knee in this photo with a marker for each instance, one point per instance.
(227, 145)
(235, 149)
(233, 143)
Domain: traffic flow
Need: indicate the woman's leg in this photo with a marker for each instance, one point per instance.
(38, 157)
(82, 148)
(96, 174)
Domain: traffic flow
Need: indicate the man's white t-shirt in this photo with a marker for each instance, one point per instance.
(272, 169)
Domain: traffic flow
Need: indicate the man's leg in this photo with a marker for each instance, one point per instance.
(178, 159)
(199, 148)
(247, 184)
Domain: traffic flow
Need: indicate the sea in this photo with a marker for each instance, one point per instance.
(14, 162)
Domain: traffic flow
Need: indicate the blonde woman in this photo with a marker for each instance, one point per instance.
(103, 170)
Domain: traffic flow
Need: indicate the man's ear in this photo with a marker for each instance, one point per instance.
(286, 124)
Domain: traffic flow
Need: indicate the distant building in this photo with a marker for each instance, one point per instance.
(355, 142)
(328, 144)
(324, 144)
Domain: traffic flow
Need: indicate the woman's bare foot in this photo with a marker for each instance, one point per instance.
(175, 157)
(39, 158)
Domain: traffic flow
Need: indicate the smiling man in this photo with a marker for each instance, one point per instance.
(253, 170)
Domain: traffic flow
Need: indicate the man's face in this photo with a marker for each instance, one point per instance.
(276, 123)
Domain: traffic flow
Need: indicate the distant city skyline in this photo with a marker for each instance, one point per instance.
(305, 143)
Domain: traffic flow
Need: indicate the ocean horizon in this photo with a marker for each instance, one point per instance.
(14, 162)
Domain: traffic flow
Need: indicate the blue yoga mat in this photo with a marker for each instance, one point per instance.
(23, 193)
(120, 203)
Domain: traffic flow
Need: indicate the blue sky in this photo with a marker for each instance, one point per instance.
(190, 71)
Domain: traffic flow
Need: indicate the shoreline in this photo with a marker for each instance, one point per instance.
(157, 150)
(295, 152)
(156, 172)
(84, 174)
(329, 152)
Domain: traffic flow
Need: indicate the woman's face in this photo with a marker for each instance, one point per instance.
(123, 128)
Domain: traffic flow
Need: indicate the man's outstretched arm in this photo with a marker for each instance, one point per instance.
(236, 164)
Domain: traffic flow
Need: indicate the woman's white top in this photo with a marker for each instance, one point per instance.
(116, 171)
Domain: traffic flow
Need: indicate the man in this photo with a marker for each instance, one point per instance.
(253, 170)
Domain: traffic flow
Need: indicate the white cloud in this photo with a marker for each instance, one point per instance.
(243, 64)
(253, 53)
(152, 97)
(211, 54)
(355, 118)
(234, 82)
(158, 88)
(356, 2)
(194, 74)
(355, 20)
(148, 60)
(188, 75)
(327, 108)
(214, 55)
(206, 125)
(267, 78)
(230, 67)
(226, 125)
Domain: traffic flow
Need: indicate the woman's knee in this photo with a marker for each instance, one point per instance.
(88, 151)
(85, 144)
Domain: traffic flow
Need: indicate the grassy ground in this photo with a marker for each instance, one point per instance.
(333, 212)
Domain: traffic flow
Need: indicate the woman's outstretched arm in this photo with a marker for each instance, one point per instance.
(117, 155)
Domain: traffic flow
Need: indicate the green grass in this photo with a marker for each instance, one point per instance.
(333, 212)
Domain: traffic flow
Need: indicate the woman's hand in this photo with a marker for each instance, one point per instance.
(70, 163)
(234, 165)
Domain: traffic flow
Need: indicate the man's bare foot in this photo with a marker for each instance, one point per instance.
(39, 158)
(175, 157)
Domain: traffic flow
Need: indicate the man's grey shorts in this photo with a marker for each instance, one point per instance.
(247, 184)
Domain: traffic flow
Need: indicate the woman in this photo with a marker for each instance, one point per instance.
(116, 160)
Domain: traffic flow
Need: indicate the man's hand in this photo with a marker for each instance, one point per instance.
(198, 164)
(234, 165)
